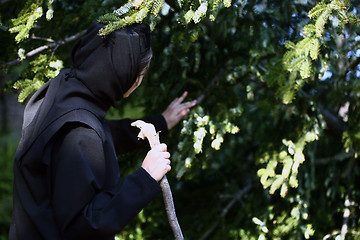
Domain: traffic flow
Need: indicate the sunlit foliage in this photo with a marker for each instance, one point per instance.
(272, 149)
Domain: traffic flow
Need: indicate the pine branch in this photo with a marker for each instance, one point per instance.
(157, 7)
(296, 63)
(336, 233)
(288, 57)
(297, 58)
(42, 38)
(333, 123)
(305, 68)
(309, 30)
(26, 19)
(137, 11)
(320, 22)
(45, 47)
(315, 48)
(237, 196)
(131, 12)
(317, 10)
(28, 87)
(336, 158)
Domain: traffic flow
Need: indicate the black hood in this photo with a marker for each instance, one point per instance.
(103, 69)
(108, 66)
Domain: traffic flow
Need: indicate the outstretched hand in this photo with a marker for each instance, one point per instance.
(177, 110)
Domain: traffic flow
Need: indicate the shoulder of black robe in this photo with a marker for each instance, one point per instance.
(103, 69)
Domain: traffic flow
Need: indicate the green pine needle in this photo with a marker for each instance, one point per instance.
(317, 10)
(314, 49)
(110, 27)
(296, 63)
(109, 17)
(310, 29)
(321, 21)
(288, 57)
(290, 45)
(26, 20)
(124, 9)
(305, 68)
(27, 87)
(157, 5)
(303, 47)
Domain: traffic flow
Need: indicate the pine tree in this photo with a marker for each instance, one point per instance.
(272, 149)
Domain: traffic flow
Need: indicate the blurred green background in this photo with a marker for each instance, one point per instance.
(270, 152)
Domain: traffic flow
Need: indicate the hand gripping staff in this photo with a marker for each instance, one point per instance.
(147, 130)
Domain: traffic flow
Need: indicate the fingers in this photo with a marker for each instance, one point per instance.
(165, 155)
(168, 168)
(177, 110)
(183, 96)
(188, 104)
(184, 113)
(166, 161)
(179, 100)
(157, 162)
(162, 147)
(184, 108)
(165, 164)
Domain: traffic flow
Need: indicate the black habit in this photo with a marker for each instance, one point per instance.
(67, 180)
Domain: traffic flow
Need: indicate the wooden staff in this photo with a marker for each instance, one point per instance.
(147, 130)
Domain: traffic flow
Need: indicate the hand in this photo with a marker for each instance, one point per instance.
(177, 110)
(157, 162)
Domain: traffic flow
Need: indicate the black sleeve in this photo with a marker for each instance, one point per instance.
(125, 135)
(82, 207)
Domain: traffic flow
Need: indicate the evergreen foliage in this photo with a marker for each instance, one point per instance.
(131, 12)
(42, 68)
(272, 151)
(136, 11)
(28, 16)
(299, 56)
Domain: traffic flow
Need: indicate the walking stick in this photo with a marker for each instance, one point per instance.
(148, 131)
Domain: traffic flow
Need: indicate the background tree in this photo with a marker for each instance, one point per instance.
(271, 151)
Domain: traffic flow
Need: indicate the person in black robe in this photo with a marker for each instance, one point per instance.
(66, 175)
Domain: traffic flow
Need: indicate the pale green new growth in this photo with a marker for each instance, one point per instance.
(290, 159)
(43, 68)
(28, 17)
(137, 11)
(299, 57)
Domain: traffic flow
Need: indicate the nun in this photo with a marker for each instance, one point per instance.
(66, 174)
